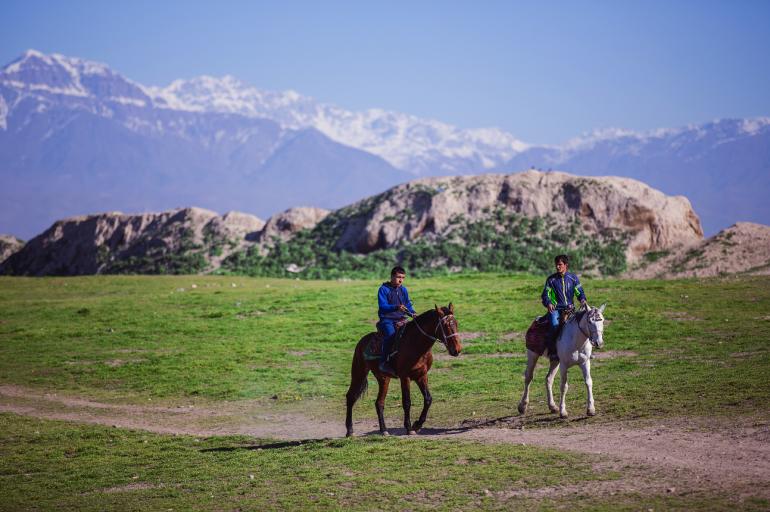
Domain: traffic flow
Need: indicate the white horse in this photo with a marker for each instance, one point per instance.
(573, 348)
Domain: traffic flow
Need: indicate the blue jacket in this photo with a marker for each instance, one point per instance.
(559, 290)
(389, 298)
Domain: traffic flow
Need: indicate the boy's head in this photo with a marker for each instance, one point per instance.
(562, 263)
(397, 276)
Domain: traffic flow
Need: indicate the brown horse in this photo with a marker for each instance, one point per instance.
(414, 361)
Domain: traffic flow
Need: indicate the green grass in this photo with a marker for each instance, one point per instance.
(699, 347)
(50, 465)
(47, 464)
(688, 348)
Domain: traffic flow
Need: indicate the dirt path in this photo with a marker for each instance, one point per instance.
(668, 456)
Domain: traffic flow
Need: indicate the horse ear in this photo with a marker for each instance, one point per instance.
(451, 309)
(438, 310)
(601, 308)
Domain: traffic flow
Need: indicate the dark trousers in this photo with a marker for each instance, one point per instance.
(388, 328)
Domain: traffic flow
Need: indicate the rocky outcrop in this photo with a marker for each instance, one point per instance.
(284, 225)
(429, 207)
(627, 213)
(182, 240)
(741, 248)
(8, 246)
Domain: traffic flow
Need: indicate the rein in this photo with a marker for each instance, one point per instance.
(444, 338)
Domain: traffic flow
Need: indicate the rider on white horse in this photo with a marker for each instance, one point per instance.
(557, 296)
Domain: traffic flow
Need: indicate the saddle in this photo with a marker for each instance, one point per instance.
(373, 349)
(537, 334)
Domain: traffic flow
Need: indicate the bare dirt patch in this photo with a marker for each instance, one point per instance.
(680, 316)
(612, 354)
(120, 362)
(138, 486)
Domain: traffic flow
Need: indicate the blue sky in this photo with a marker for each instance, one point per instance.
(544, 73)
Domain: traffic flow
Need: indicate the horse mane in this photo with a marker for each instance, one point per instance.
(423, 316)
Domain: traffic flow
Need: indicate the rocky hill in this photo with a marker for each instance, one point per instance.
(742, 248)
(490, 222)
(485, 222)
(187, 240)
(431, 208)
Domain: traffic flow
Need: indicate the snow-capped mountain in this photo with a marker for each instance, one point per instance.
(407, 142)
(77, 137)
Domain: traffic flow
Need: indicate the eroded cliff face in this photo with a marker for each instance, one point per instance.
(187, 239)
(430, 207)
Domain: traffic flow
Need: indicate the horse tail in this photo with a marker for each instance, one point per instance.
(358, 393)
(358, 372)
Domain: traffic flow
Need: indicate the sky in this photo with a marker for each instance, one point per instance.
(545, 73)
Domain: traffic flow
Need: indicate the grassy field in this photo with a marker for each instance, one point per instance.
(682, 349)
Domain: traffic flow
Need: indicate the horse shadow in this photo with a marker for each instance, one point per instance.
(277, 445)
(511, 422)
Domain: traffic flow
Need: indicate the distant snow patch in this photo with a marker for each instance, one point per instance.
(3, 113)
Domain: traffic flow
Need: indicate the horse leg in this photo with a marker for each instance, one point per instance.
(358, 385)
(426, 401)
(564, 387)
(406, 401)
(549, 386)
(529, 374)
(379, 404)
(586, 369)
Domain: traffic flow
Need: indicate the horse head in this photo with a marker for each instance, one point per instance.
(595, 318)
(446, 330)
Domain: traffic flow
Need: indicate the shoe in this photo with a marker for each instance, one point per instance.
(386, 369)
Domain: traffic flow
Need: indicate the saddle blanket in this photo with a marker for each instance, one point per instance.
(373, 347)
(537, 335)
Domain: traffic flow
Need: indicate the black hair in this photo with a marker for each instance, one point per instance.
(561, 257)
(397, 270)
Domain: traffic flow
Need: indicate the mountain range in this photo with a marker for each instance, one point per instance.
(77, 137)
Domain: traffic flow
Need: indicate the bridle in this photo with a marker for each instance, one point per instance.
(588, 336)
(444, 338)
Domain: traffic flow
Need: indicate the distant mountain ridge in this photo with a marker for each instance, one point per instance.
(76, 136)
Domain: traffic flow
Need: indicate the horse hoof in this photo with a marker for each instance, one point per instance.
(349, 434)
(591, 412)
(522, 408)
(563, 415)
(385, 433)
(412, 433)
(553, 408)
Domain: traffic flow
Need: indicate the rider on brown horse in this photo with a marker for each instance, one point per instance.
(394, 304)
(557, 298)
